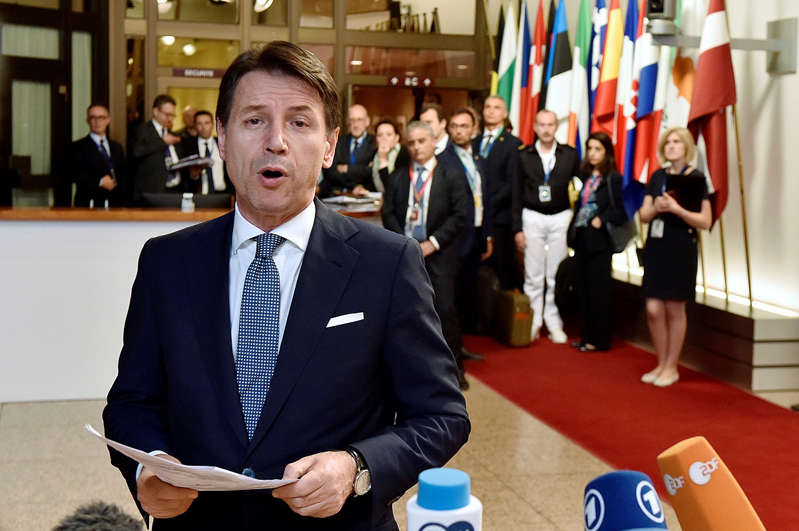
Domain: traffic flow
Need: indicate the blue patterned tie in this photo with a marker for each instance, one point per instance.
(259, 330)
(419, 232)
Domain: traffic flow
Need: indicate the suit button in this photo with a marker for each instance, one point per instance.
(248, 472)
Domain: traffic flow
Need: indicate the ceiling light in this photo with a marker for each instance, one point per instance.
(130, 60)
(462, 67)
(189, 49)
(262, 5)
(168, 40)
(356, 62)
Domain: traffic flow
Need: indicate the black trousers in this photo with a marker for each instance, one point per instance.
(444, 289)
(593, 274)
(504, 260)
(465, 293)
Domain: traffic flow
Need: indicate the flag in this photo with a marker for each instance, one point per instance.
(521, 74)
(536, 74)
(653, 70)
(558, 74)
(626, 108)
(550, 27)
(578, 102)
(599, 19)
(714, 91)
(497, 48)
(690, 19)
(605, 103)
(507, 57)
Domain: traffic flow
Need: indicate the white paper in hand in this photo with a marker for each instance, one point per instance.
(209, 478)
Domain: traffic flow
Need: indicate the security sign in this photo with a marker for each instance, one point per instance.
(594, 507)
(648, 501)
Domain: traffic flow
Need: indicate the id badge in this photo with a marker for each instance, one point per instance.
(657, 229)
(544, 193)
(415, 214)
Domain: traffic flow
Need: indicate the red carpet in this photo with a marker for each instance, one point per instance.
(598, 401)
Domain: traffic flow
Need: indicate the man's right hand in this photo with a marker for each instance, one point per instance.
(160, 499)
(108, 183)
(171, 139)
(521, 243)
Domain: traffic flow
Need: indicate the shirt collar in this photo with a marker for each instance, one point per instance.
(550, 152)
(493, 132)
(428, 166)
(97, 138)
(158, 127)
(360, 139)
(463, 151)
(297, 230)
(201, 141)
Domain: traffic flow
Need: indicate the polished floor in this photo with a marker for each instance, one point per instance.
(528, 476)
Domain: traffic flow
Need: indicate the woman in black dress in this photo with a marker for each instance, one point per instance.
(590, 239)
(676, 206)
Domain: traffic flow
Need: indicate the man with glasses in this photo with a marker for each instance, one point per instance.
(97, 163)
(154, 148)
(354, 152)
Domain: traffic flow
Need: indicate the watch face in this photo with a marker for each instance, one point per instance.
(363, 483)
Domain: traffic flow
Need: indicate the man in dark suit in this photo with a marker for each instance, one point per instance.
(434, 212)
(154, 145)
(499, 149)
(354, 152)
(97, 163)
(313, 352)
(541, 216)
(213, 179)
(477, 243)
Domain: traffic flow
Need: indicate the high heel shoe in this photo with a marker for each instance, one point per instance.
(651, 376)
(665, 381)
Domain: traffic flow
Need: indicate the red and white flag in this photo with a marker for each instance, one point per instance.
(536, 75)
(714, 91)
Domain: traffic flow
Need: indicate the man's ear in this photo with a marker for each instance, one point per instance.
(220, 138)
(330, 147)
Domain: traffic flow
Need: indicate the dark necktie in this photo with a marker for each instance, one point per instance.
(209, 171)
(355, 145)
(259, 330)
(419, 230)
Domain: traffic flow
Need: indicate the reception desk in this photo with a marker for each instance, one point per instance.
(65, 280)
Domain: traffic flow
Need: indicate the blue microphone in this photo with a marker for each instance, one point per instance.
(625, 500)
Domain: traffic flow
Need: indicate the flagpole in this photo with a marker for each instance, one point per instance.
(724, 263)
(743, 206)
(702, 261)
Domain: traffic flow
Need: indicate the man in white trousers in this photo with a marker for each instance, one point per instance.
(541, 216)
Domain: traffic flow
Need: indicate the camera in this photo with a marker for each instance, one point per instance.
(661, 15)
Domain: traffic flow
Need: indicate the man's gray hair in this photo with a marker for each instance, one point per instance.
(418, 124)
(99, 516)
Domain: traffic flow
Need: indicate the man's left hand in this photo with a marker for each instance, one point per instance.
(342, 168)
(489, 250)
(325, 483)
(427, 248)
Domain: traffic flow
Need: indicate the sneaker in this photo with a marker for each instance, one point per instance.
(557, 335)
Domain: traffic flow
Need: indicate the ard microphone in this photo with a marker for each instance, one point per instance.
(625, 500)
(703, 492)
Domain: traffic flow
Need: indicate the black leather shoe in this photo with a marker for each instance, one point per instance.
(469, 355)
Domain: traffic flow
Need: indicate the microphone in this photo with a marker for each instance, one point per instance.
(621, 501)
(703, 491)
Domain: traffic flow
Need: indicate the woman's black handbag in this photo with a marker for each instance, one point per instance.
(620, 235)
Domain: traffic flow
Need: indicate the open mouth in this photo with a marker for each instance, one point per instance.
(271, 173)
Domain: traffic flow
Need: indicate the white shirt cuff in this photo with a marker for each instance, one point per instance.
(138, 468)
(434, 242)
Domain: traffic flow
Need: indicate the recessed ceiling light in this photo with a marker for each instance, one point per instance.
(356, 62)
(189, 49)
(168, 40)
(262, 5)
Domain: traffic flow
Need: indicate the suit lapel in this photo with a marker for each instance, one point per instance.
(211, 309)
(324, 274)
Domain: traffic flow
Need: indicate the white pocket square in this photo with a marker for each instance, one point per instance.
(347, 318)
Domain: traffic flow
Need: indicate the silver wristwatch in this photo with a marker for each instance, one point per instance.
(363, 480)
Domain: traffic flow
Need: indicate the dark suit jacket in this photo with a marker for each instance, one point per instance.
(449, 157)
(358, 173)
(447, 213)
(385, 385)
(148, 154)
(188, 146)
(88, 166)
(499, 166)
(529, 175)
(598, 240)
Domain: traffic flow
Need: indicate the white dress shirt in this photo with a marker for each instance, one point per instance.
(547, 159)
(101, 141)
(475, 181)
(218, 168)
(288, 259)
(441, 145)
(160, 130)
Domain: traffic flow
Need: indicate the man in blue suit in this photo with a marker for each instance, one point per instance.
(283, 339)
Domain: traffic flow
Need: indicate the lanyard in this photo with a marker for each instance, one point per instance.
(417, 195)
(548, 168)
(589, 188)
